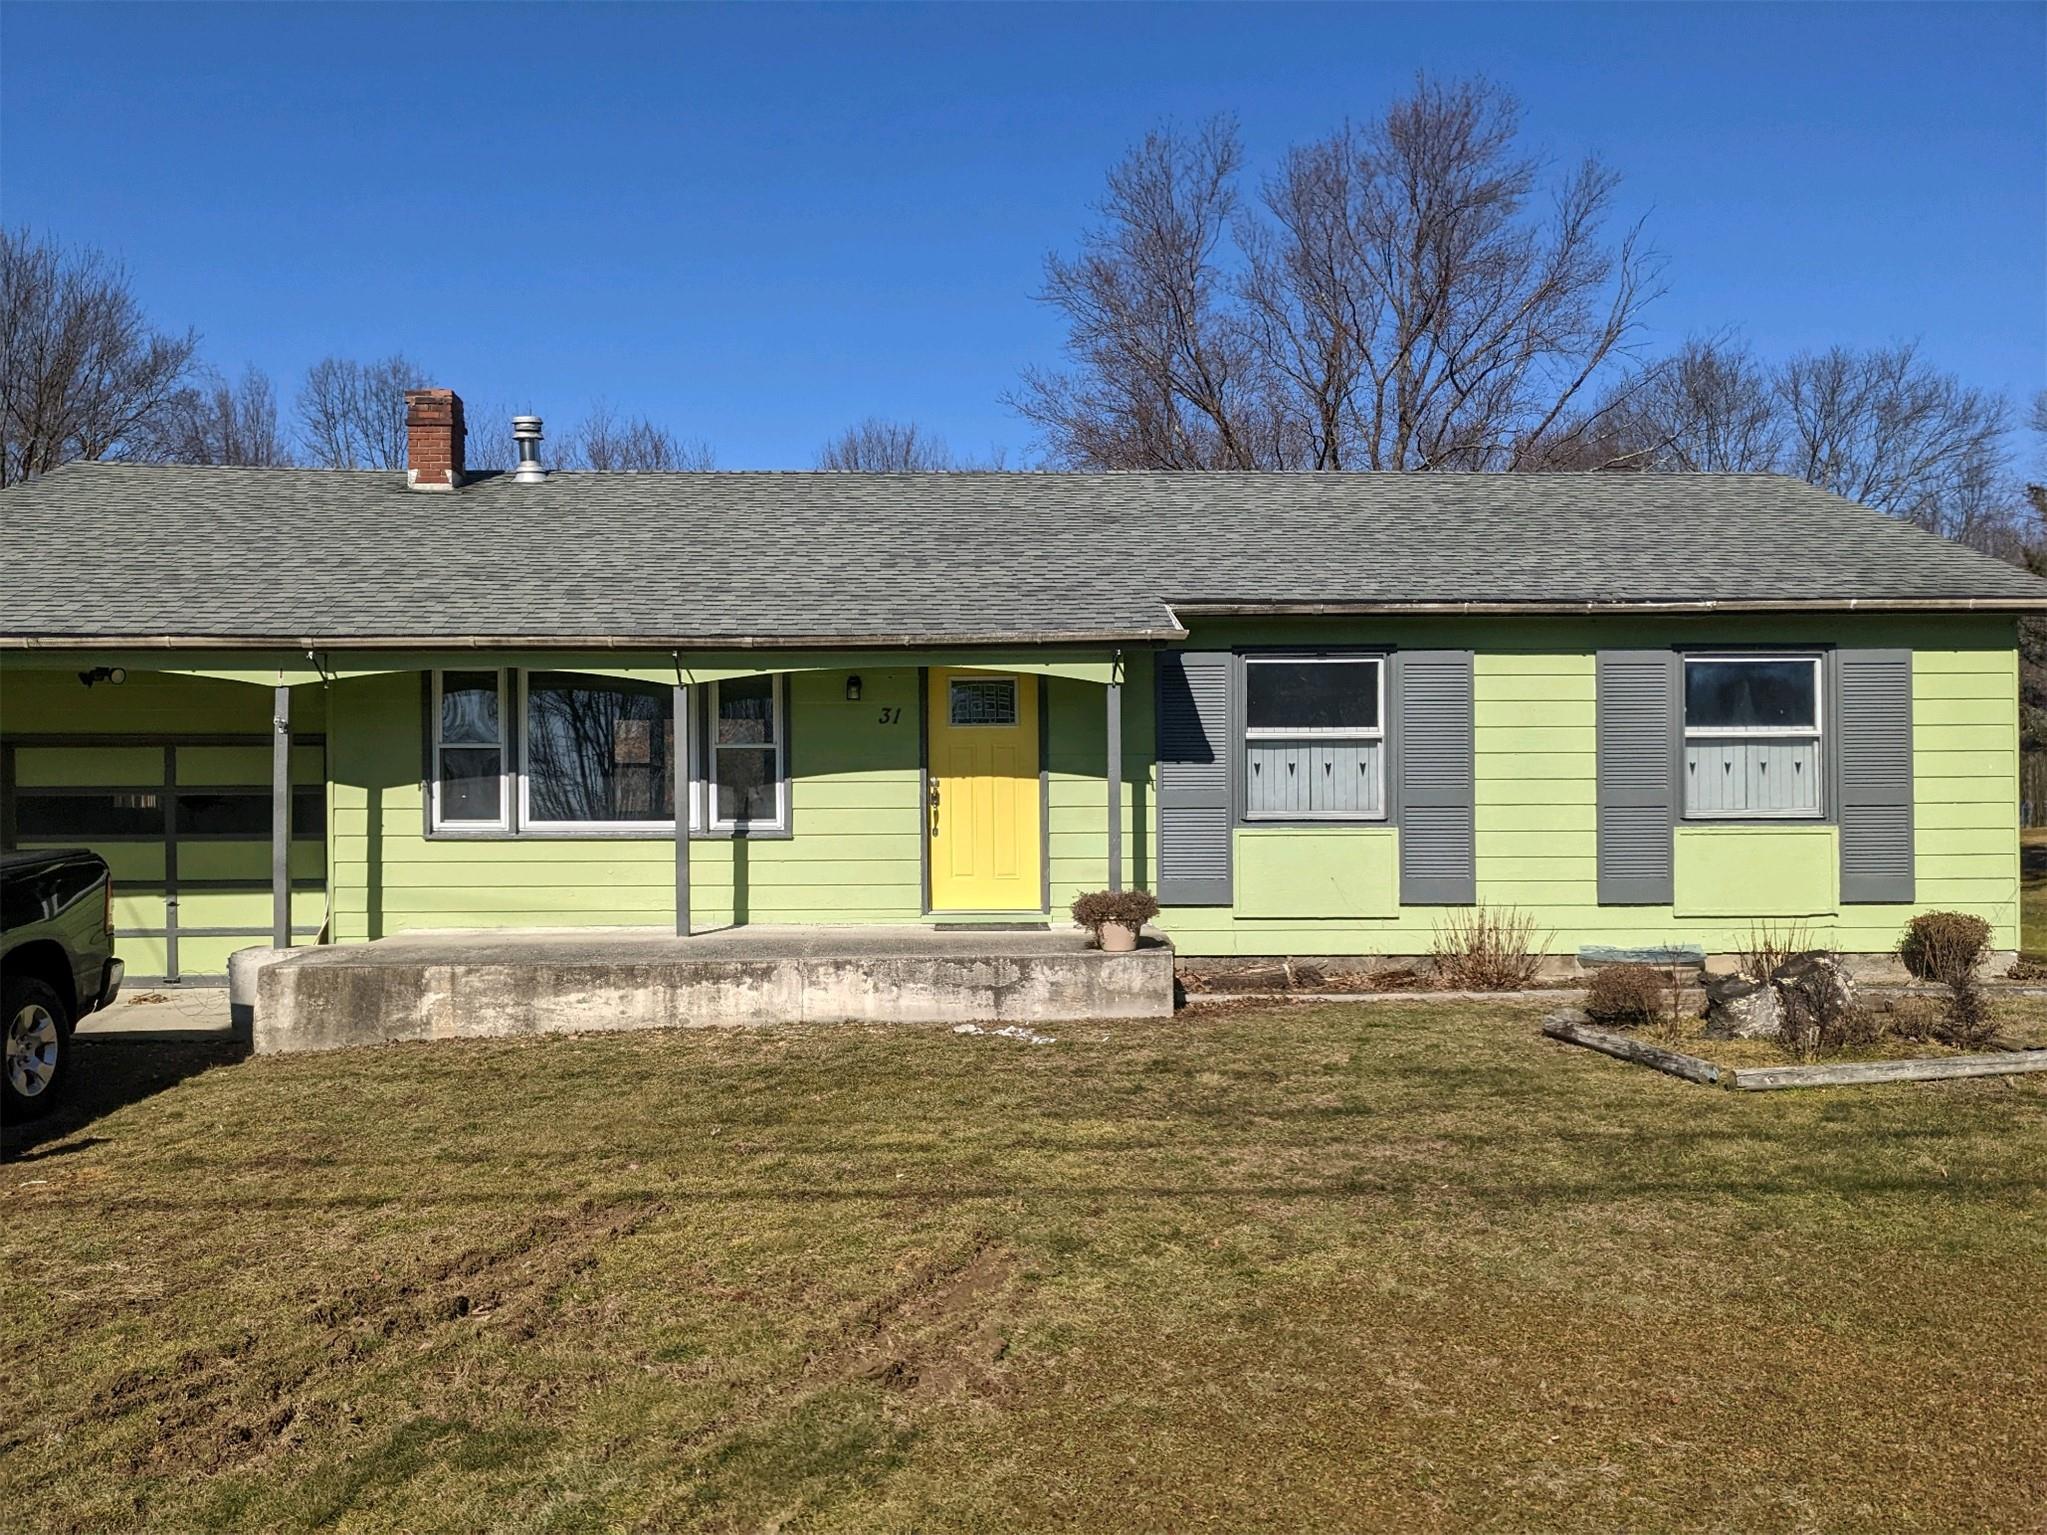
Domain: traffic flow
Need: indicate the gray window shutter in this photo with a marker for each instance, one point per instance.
(1194, 768)
(1638, 723)
(1433, 714)
(1873, 748)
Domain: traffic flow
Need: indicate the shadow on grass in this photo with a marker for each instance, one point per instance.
(109, 1075)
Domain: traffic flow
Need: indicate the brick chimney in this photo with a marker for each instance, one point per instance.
(434, 434)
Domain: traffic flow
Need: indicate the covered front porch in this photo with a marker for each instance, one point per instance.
(816, 787)
(494, 984)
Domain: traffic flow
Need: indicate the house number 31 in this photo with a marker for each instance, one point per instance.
(891, 717)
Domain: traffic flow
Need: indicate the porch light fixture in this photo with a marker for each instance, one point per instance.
(853, 690)
(114, 674)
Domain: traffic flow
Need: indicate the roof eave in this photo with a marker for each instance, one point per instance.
(494, 642)
(1186, 610)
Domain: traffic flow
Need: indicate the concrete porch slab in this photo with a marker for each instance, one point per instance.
(476, 985)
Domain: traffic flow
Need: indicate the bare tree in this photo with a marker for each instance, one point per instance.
(2036, 493)
(1161, 362)
(604, 440)
(82, 373)
(1713, 407)
(489, 443)
(880, 446)
(1885, 428)
(352, 414)
(1882, 426)
(222, 422)
(1395, 302)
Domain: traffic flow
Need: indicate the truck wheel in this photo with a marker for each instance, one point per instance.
(38, 1046)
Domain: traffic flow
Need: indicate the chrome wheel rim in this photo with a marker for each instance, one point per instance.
(32, 1046)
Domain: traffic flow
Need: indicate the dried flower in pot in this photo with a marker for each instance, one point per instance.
(1115, 917)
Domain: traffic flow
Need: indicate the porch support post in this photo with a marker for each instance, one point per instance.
(280, 818)
(679, 767)
(1115, 776)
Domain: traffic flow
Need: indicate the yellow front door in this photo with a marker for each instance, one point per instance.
(983, 814)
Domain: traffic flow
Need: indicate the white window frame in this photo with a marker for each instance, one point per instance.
(780, 719)
(503, 745)
(1318, 732)
(1816, 732)
(532, 826)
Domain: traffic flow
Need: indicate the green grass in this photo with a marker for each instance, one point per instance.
(1358, 1266)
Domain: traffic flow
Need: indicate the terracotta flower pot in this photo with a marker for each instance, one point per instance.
(1118, 938)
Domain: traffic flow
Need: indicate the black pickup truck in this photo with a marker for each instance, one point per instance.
(56, 965)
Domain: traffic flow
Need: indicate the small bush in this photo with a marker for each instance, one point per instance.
(1940, 945)
(1483, 949)
(1809, 1035)
(1917, 1018)
(1950, 947)
(1098, 908)
(1625, 994)
(1769, 946)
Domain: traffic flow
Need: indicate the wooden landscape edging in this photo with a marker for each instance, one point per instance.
(1671, 1062)
(1761, 1079)
(1756, 1079)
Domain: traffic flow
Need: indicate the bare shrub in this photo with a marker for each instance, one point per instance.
(1939, 945)
(1820, 1015)
(1096, 909)
(1769, 946)
(1810, 1034)
(1950, 947)
(1674, 1023)
(1481, 948)
(1917, 1018)
(1624, 994)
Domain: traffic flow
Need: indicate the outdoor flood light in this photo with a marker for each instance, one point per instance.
(114, 674)
(853, 690)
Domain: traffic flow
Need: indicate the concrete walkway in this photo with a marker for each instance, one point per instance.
(161, 1013)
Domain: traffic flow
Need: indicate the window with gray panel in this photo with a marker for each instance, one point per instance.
(1753, 729)
(1314, 738)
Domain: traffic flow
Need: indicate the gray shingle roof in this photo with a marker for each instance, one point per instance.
(304, 555)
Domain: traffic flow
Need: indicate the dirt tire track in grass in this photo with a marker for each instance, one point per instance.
(935, 1340)
(217, 1408)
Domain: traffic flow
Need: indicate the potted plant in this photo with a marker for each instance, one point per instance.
(1115, 917)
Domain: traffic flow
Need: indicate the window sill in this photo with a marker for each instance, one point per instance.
(1315, 820)
(636, 834)
(1758, 818)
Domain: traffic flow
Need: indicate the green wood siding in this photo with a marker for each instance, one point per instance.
(1303, 871)
(35, 701)
(1717, 872)
(1077, 789)
(43, 702)
(1537, 828)
(854, 855)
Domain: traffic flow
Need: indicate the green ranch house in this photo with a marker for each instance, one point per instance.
(714, 715)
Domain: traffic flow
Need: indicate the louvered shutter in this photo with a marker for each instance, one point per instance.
(1637, 729)
(1433, 714)
(1872, 737)
(1194, 776)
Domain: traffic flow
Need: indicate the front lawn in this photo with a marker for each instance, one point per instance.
(1357, 1266)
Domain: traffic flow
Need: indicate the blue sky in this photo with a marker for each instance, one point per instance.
(757, 224)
